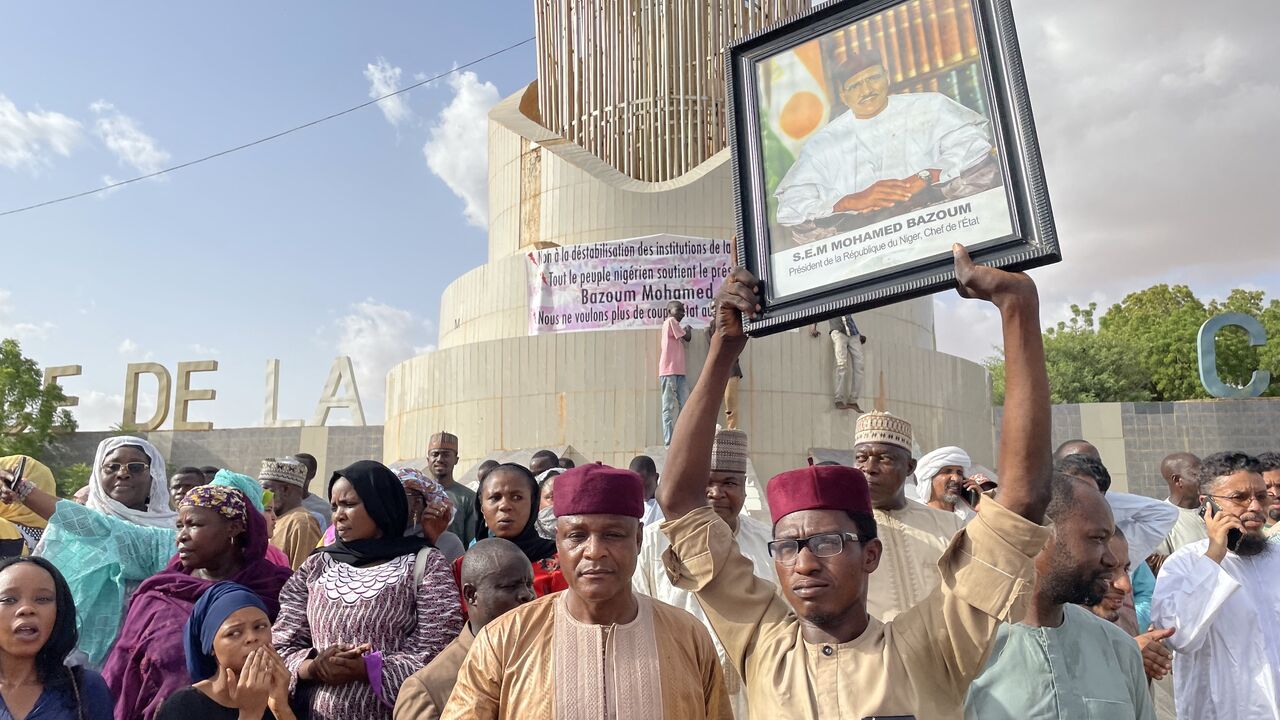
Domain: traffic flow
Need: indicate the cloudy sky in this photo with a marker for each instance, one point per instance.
(1156, 120)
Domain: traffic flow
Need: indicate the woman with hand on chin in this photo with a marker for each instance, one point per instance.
(237, 674)
(37, 632)
(363, 614)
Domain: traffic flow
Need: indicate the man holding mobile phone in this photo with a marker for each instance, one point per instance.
(1220, 597)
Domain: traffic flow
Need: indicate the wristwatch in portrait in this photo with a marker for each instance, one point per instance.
(926, 176)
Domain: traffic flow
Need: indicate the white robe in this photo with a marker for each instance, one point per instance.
(651, 579)
(1146, 522)
(1226, 645)
(914, 132)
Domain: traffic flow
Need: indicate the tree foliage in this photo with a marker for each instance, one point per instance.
(1144, 348)
(29, 412)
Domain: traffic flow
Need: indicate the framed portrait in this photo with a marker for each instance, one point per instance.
(868, 136)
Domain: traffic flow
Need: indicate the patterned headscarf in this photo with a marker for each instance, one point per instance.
(427, 488)
(229, 502)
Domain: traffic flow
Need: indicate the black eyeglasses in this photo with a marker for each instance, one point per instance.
(134, 468)
(821, 545)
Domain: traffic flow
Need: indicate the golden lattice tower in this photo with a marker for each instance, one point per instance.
(640, 83)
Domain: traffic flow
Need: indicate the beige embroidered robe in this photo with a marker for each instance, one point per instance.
(538, 663)
(424, 695)
(296, 534)
(921, 663)
(914, 539)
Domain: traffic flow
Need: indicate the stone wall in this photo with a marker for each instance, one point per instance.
(1134, 437)
(239, 449)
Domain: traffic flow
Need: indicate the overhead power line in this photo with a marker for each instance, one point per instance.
(268, 138)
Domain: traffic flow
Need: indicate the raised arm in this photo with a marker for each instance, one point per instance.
(684, 478)
(1026, 458)
(37, 500)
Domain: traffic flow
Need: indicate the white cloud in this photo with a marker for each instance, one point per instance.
(132, 352)
(20, 331)
(1158, 136)
(377, 337)
(458, 151)
(384, 79)
(124, 137)
(99, 411)
(204, 350)
(27, 137)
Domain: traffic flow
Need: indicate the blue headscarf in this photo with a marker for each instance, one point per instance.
(210, 611)
(251, 488)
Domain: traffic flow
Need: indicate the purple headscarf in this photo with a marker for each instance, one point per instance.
(148, 662)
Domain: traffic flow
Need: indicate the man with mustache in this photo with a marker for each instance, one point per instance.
(890, 150)
(496, 578)
(942, 481)
(913, 534)
(1061, 662)
(727, 493)
(597, 649)
(815, 651)
(1270, 462)
(1221, 597)
(442, 458)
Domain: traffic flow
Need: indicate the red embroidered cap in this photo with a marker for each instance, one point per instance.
(599, 490)
(819, 487)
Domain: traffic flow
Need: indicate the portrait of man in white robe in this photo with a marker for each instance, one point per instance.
(888, 154)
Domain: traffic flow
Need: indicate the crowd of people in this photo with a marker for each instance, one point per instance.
(896, 586)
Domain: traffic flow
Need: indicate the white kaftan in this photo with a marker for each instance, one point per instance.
(1226, 643)
(914, 132)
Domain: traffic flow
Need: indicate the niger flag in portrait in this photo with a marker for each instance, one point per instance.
(798, 102)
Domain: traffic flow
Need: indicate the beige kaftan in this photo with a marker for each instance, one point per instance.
(921, 663)
(538, 663)
(296, 534)
(914, 538)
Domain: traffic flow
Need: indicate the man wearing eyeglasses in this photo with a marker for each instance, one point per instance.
(816, 652)
(1221, 598)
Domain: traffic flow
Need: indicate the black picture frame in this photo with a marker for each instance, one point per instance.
(994, 82)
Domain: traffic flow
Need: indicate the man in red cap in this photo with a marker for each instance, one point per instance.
(596, 650)
(816, 652)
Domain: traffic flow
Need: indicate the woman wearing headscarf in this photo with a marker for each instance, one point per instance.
(37, 633)
(220, 537)
(507, 502)
(430, 512)
(30, 525)
(92, 545)
(104, 556)
(235, 671)
(363, 614)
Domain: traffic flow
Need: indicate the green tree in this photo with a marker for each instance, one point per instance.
(1084, 365)
(29, 412)
(1237, 359)
(72, 478)
(1161, 324)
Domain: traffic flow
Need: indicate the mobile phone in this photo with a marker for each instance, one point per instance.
(971, 497)
(1234, 535)
(16, 474)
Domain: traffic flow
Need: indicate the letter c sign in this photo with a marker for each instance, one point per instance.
(1207, 349)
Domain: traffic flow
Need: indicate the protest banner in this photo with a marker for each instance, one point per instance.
(624, 284)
